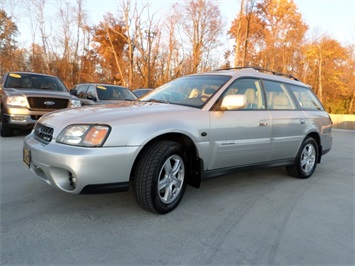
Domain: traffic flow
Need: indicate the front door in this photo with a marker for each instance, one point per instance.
(240, 137)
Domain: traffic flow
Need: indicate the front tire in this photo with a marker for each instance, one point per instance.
(306, 160)
(6, 130)
(159, 178)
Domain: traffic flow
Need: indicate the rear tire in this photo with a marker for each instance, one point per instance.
(306, 160)
(159, 179)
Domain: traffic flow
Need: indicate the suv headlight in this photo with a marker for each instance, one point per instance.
(75, 103)
(84, 135)
(17, 101)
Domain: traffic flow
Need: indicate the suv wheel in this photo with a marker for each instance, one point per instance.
(159, 180)
(306, 160)
(6, 130)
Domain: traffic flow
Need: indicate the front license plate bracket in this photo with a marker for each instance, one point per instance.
(27, 156)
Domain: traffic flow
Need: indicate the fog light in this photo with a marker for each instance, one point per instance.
(72, 180)
(18, 118)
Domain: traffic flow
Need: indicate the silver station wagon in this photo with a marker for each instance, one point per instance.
(194, 127)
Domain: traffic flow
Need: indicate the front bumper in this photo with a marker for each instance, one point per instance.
(21, 121)
(71, 168)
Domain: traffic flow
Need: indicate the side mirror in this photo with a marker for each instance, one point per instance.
(234, 102)
(91, 97)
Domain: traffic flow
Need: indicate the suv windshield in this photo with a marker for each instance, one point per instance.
(191, 90)
(33, 81)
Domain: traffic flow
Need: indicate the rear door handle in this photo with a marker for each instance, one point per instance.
(303, 122)
(263, 124)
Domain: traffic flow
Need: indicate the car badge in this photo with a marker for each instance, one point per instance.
(49, 103)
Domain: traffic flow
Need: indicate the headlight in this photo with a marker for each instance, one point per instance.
(17, 101)
(84, 135)
(75, 103)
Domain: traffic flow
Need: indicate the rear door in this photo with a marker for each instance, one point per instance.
(288, 121)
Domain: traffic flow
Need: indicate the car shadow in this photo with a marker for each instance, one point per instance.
(19, 132)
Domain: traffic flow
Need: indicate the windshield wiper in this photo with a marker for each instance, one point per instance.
(156, 101)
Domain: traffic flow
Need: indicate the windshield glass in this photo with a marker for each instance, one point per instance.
(33, 81)
(108, 92)
(189, 90)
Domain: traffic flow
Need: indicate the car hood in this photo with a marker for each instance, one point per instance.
(112, 113)
(133, 123)
(37, 92)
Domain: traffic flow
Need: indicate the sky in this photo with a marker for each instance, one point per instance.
(335, 18)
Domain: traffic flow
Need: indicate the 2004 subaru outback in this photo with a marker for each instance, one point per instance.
(194, 127)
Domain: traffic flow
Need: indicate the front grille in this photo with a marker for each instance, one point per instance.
(47, 103)
(43, 133)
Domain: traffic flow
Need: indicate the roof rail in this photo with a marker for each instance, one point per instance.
(259, 69)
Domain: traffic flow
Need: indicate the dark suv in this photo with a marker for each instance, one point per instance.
(25, 97)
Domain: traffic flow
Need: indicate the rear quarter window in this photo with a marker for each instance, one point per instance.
(306, 98)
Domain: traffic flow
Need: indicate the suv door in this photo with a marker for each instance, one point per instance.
(240, 137)
(288, 121)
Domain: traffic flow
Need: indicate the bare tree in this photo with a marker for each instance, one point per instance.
(172, 50)
(202, 25)
(38, 7)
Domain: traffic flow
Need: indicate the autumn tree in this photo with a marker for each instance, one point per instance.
(8, 32)
(325, 59)
(349, 78)
(246, 30)
(269, 34)
(284, 32)
(36, 60)
(110, 42)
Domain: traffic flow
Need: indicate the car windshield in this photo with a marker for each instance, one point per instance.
(33, 81)
(191, 91)
(108, 92)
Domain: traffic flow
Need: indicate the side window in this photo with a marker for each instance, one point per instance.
(251, 88)
(306, 98)
(91, 93)
(81, 90)
(277, 96)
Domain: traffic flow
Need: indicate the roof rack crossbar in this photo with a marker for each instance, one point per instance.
(261, 70)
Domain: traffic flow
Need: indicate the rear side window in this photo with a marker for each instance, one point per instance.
(306, 98)
(277, 96)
